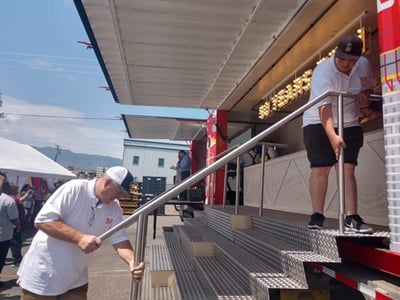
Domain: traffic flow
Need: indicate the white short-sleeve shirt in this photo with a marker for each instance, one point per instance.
(52, 266)
(327, 77)
(8, 212)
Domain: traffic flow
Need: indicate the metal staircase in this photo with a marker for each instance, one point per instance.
(279, 248)
(213, 260)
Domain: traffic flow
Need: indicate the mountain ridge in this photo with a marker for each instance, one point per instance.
(81, 161)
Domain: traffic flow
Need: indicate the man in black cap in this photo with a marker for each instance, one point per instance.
(69, 224)
(345, 71)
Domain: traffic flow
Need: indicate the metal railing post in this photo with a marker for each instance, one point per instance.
(212, 180)
(261, 208)
(341, 165)
(225, 184)
(237, 194)
(140, 245)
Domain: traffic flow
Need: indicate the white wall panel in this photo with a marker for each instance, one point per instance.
(286, 183)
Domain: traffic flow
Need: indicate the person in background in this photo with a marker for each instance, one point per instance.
(178, 172)
(8, 219)
(69, 224)
(16, 241)
(185, 165)
(251, 157)
(41, 193)
(26, 193)
(183, 168)
(341, 72)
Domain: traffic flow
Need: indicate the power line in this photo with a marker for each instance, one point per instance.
(65, 117)
(47, 56)
(58, 151)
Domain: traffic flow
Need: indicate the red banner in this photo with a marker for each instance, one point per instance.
(216, 143)
(389, 25)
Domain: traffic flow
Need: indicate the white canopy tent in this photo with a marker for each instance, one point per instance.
(20, 161)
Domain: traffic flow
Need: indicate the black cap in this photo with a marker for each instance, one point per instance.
(349, 47)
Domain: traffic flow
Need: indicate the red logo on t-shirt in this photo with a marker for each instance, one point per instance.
(108, 221)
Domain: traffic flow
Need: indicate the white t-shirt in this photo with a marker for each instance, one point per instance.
(8, 212)
(327, 77)
(52, 266)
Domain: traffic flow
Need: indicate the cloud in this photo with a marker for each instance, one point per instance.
(41, 64)
(66, 66)
(68, 129)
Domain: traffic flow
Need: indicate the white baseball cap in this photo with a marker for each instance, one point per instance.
(122, 177)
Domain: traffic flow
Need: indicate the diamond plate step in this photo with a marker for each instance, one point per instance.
(321, 242)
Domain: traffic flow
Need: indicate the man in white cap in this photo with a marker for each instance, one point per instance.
(68, 228)
(344, 71)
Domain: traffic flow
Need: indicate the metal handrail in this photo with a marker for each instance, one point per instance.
(167, 195)
(201, 174)
(223, 152)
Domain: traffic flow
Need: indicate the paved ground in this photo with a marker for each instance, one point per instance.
(108, 275)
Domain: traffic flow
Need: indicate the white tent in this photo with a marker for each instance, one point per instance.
(21, 161)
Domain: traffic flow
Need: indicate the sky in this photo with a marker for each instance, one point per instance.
(50, 84)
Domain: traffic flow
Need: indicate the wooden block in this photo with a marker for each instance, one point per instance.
(162, 278)
(241, 222)
(202, 249)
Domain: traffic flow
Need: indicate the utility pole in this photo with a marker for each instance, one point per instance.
(2, 116)
(58, 151)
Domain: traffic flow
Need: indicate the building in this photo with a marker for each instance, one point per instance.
(152, 158)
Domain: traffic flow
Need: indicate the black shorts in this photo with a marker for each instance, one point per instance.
(319, 149)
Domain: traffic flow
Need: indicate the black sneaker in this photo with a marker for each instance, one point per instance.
(316, 221)
(355, 223)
